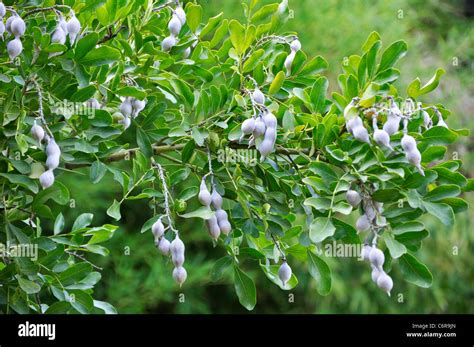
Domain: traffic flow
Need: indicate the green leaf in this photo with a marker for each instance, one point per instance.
(252, 62)
(29, 287)
(22, 181)
(415, 90)
(97, 171)
(320, 229)
(202, 212)
(396, 248)
(441, 211)
(408, 227)
(82, 221)
(264, 12)
(59, 224)
(276, 83)
(144, 143)
(86, 44)
(245, 289)
(386, 195)
(104, 55)
(83, 94)
(193, 16)
(393, 53)
(220, 266)
(105, 306)
(371, 39)
(414, 271)
(237, 36)
(442, 192)
(114, 210)
(318, 94)
(321, 273)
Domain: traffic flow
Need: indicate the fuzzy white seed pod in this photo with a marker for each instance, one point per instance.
(225, 227)
(382, 138)
(361, 134)
(213, 227)
(177, 246)
(375, 273)
(37, 132)
(59, 36)
(295, 45)
(8, 23)
(126, 108)
(73, 28)
(137, 106)
(378, 206)
(441, 122)
(2, 29)
(174, 25)
(216, 199)
(126, 121)
(248, 126)
(408, 143)
(270, 120)
(14, 48)
(177, 259)
(270, 134)
(392, 125)
(204, 195)
(376, 257)
(3, 10)
(221, 215)
(414, 158)
(46, 179)
(427, 122)
(187, 53)
(385, 282)
(284, 273)
(52, 148)
(265, 148)
(158, 229)
(353, 123)
(365, 253)
(18, 27)
(282, 6)
(260, 127)
(353, 198)
(168, 43)
(289, 62)
(179, 12)
(362, 223)
(258, 97)
(180, 275)
(164, 246)
(52, 162)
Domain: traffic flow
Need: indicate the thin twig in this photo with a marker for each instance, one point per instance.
(82, 258)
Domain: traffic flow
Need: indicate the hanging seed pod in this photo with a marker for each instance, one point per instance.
(137, 106)
(52, 148)
(414, 158)
(408, 143)
(52, 162)
(37, 132)
(187, 53)
(168, 43)
(365, 253)
(164, 246)
(265, 148)
(174, 25)
(14, 48)
(213, 227)
(158, 229)
(3, 10)
(385, 282)
(59, 36)
(382, 138)
(284, 273)
(248, 126)
(260, 127)
(126, 121)
(361, 134)
(376, 257)
(295, 45)
(375, 273)
(362, 223)
(177, 246)
(370, 211)
(177, 259)
(258, 97)
(73, 28)
(204, 195)
(289, 62)
(126, 107)
(270, 120)
(353, 123)
(46, 179)
(18, 27)
(216, 199)
(180, 275)
(441, 122)
(179, 12)
(2, 29)
(63, 24)
(353, 198)
(8, 23)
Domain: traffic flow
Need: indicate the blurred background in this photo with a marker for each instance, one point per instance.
(439, 33)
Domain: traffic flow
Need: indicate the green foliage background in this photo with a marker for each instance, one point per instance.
(136, 280)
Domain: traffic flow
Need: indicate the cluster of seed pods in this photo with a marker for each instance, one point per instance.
(395, 116)
(53, 154)
(262, 128)
(64, 29)
(178, 19)
(219, 222)
(376, 258)
(370, 209)
(130, 108)
(174, 248)
(295, 46)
